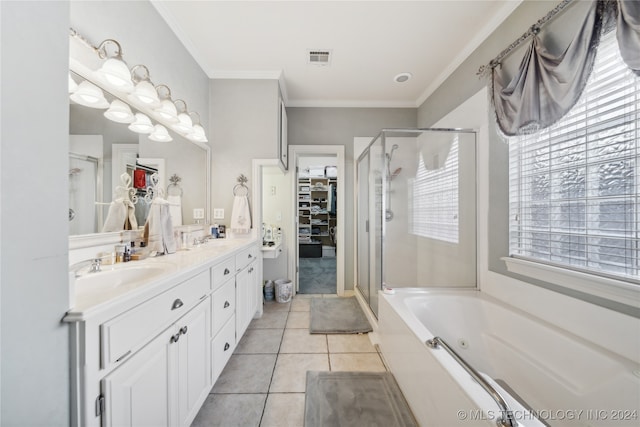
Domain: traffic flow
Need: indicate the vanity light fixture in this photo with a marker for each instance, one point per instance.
(167, 109)
(89, 95)
(160, 134)
(184, 125)
(198, 133)
(135, 84)
(119, 112)
(114, 71)
(142, 124)
(144, 90)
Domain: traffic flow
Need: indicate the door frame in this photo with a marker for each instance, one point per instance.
(296, 151)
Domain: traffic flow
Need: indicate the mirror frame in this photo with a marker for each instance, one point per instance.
(97, 239)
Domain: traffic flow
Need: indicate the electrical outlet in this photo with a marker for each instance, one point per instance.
(273, 190)
(198, 213)
(218, 213)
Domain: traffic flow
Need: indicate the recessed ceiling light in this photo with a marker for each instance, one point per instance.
(402, 77)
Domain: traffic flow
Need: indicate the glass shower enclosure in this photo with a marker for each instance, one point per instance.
(416, 210)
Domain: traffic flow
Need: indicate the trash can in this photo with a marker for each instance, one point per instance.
(268, 290)
(284, 290)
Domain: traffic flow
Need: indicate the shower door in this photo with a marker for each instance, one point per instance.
(417, 211)
(363, 226)
(370, 226)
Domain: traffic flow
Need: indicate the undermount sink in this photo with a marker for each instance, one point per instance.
(111, 278)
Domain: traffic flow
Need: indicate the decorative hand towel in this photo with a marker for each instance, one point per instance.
(241, 215)
(131, 223)
(158, 230)
(116, 217)
(175, 209)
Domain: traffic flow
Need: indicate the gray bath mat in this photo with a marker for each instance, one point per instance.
(337, 316)
(355, 399)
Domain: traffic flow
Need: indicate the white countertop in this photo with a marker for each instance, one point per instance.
(179, 266)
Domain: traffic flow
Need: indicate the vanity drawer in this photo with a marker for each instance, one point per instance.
(222, 272)
(222, 347)
(245, 257)
(130, 331)
(224, 305)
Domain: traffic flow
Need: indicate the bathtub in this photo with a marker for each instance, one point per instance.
(546, 375)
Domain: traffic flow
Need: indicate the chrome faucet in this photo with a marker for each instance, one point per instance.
(93, 263)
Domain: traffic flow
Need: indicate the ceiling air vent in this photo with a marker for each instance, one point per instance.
(319, 57)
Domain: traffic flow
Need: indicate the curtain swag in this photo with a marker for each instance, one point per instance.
(546, 86)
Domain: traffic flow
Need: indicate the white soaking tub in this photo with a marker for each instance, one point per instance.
(546, 375)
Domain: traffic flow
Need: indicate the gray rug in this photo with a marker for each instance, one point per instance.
(355, 399)
(338, 316)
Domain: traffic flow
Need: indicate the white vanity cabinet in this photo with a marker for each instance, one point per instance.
(166, 382)
(150, 357)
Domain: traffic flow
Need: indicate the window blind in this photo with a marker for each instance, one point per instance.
(433, 200)
(574, 186)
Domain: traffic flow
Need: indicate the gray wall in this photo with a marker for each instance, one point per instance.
(338, 126)
(461, 85)
(34, 356)
(244, 126)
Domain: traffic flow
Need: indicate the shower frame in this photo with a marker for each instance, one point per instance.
(379, 282)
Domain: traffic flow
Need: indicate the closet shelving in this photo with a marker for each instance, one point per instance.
(315, 219)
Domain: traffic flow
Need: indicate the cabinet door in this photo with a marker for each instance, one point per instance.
(137, 394)
(242, 305)
(245, 298)
(193, 362)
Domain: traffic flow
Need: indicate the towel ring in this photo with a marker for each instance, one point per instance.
(240, 190)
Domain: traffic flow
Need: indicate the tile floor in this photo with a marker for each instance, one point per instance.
(264, 382)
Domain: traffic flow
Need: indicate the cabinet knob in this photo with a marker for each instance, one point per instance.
(226, 346)
(251, 270)
(177, 304)
(250, 256)
(183, 330)
(226, 271)
(226, 304)
(174, 338)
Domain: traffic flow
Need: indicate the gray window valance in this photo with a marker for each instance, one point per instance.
(546, 86)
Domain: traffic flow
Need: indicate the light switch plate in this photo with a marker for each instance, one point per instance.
(218, 213)
(198, 213)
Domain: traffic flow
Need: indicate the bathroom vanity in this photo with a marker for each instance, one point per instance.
(150, 338)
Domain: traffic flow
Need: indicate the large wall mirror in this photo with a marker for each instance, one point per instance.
(101, 150)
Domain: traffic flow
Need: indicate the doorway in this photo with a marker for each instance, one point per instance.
(318, 194)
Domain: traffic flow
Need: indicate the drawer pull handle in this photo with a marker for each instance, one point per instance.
(183, 330)
(177, 304)
(226, 304)
(174, 338)
(226, 271)
(123, 356)
(226, 346)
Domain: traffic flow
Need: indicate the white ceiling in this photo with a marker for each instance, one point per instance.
(371, 42)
